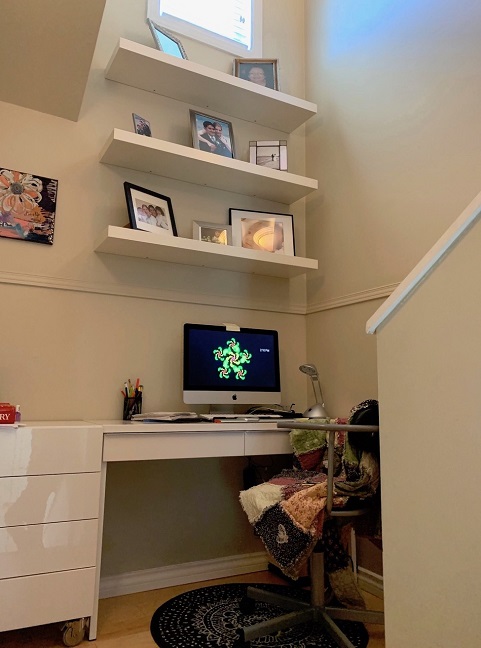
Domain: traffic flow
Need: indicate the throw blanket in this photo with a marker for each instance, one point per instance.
(287, 512)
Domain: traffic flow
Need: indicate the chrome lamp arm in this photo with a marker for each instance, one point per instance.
(318, 409)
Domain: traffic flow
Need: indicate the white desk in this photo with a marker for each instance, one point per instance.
(144, 441)
(50, 471)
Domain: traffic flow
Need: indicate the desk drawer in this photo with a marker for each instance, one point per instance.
(182, 445)
(47, 598)
(49, 498)
(42, 548)
(50, 450)
(268, 442)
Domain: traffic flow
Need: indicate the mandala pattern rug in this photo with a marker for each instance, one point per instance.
(210, 618)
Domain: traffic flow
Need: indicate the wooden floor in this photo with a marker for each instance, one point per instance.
(124, 621)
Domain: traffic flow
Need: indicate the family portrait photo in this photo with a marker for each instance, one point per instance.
(149, 211)
(212, 233)
(262, 72)
(212, 134)
(141, 125)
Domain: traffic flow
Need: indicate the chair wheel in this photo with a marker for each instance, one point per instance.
(240, 643)
(247, 605)
(74, 632)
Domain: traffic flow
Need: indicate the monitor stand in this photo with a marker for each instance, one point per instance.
(221, 409)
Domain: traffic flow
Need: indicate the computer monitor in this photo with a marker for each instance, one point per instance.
(225, 367)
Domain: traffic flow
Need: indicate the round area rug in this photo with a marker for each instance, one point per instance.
(210, 617)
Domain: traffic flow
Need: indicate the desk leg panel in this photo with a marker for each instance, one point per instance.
(267, 443)
(95, 605)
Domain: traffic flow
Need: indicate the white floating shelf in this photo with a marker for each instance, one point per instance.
(173, 249)
(179, 162)
(148, 69)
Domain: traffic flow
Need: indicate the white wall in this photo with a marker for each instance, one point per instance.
(79, 323)
(429, 369)
(396, 147)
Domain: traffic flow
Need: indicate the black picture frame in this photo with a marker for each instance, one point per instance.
(160, 217)
(263, 231)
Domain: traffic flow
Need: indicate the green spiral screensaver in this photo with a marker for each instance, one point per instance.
(233, 360)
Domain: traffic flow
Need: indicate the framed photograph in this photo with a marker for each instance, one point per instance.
(212, 134)
(262, 72)
(266, 231)
(269, 153)
(141, 125)
(150, 211)
(165, 41)
(27, 206)
(212, 233)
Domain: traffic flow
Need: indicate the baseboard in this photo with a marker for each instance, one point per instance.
(370, 582)
(193, 572)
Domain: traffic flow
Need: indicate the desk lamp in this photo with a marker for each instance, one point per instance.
(317, 410)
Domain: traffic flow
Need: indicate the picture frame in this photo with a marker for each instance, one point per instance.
(262, 72)
(165, 41)
(28, 205)
(149, 211)
(269, 153)
(212, 233)
(212, 134)
(141, 125)
(263, 231)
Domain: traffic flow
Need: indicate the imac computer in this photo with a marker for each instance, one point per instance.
(223, 368)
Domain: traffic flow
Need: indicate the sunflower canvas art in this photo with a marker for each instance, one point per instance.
(27, 206)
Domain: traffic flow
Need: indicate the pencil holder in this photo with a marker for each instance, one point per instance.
(132, 405)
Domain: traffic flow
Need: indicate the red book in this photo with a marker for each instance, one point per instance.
(7, 414)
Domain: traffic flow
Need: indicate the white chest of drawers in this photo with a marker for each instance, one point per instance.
(52, 491)
(50, 480)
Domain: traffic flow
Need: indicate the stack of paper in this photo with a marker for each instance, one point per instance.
(165, 416)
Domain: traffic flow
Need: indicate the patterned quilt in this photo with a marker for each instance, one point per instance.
(287, 512)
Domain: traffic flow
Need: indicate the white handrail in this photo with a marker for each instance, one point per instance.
(460, 226)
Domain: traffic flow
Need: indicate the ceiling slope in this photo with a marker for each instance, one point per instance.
(46, 49)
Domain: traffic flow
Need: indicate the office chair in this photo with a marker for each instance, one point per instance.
(316, 611)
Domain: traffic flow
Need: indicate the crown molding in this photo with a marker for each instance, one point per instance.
(379, 292)
(158, 294)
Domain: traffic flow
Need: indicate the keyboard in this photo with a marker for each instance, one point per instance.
(240, 417)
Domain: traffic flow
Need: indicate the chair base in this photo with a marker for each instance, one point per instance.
(301, 613)
(302, 581)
